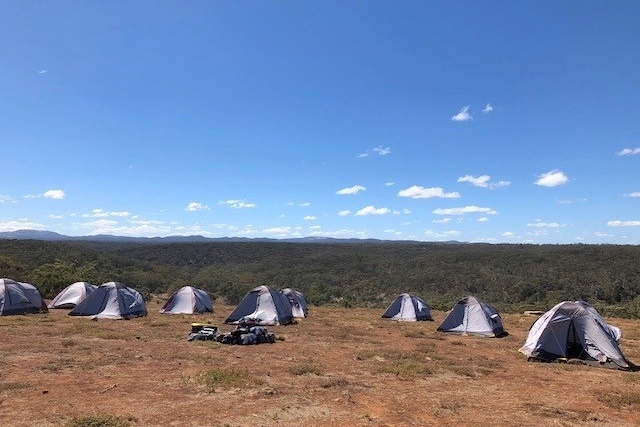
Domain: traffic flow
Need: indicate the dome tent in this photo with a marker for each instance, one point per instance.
(298, 302)
(188, 300)
(471, 316)
(574, 330)
(20, 298)
(72, 295)
(112, 300)
(407, 308)
(263, 305)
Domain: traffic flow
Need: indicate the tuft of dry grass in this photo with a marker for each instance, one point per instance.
(617, 399)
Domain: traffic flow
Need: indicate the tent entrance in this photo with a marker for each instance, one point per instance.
(575, 350)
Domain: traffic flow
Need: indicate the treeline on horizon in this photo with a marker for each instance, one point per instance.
(512, 278)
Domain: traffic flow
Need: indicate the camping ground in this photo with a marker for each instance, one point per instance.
(338, 367)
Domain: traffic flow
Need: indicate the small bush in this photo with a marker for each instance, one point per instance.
(307, 367)
(215, 378)
(621, 399)
(99, 421)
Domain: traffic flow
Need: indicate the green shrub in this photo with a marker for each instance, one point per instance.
(99, 421)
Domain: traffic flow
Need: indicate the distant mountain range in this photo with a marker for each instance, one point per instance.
(52, 236)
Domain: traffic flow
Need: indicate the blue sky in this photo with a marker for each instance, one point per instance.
(500, 122)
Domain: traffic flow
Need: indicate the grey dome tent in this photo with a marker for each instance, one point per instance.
(263, 305)
(188, 300)
(111, 300)
(471, 316)
(298, 302)
(72, 295)
(407, 308)
(575, 330)
(20, 298)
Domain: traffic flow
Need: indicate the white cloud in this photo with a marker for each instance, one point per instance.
(53, 194)
(406, 211)
(309, 218)
(389, 184)
(463, 115)
(509, 234)
(42, 72)
(539, 223)
(278, 231)
(351, 190)
(380, 150)
(23, 224)
(345, 233)
(623, 223)
(344, 212)
(305, 204)
(383, 151)
(372, 210)
(552, 178)
(464, 210)
(419, 192)
(483, 219)
(600, 234)
(56, 216)
(487, 108)
(628, 151)
(315, 227)
(443, 234)
(634, 194)
(99, 213)
(4, 198)
(483, 181)
(237, 204)
(441, 221)
(196, 206)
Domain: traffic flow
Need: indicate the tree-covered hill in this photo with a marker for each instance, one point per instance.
(510, 277)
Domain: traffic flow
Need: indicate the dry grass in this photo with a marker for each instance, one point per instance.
(339, 367)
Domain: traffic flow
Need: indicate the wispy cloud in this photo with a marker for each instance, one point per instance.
(100, 213)
(623, 223)
(483, 181)
(634, 194)
(628, 151)
(483, 219)
(5, 199)
(382, 151)
(442, 234)
(389, 184)
(441, 221)
(196, 206)
(463, 115)
(464, 210)
(345, 212)
(305, 204)
(418, 192)
(351, 190)
(379, 150)
(237, 204)
(487, 108)
(309, 218)
(552, 178)
(372, 210)
(41, 72)
(540, 223)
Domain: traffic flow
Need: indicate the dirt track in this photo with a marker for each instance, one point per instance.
(339, 367)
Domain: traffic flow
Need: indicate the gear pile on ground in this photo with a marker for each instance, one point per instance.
(246, 333)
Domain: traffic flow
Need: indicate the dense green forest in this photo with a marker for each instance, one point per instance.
(510, 277)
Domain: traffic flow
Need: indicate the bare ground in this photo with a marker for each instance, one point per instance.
(339, 367)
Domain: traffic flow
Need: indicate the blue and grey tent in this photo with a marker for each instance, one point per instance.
(111, 300)
(72, 295)
(407, 308)
(263, 305)
(298, 302)
(574, 330)
(471, 316)
(188, 300)
(20, 298)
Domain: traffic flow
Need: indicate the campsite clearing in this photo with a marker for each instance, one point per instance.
(338, 367)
